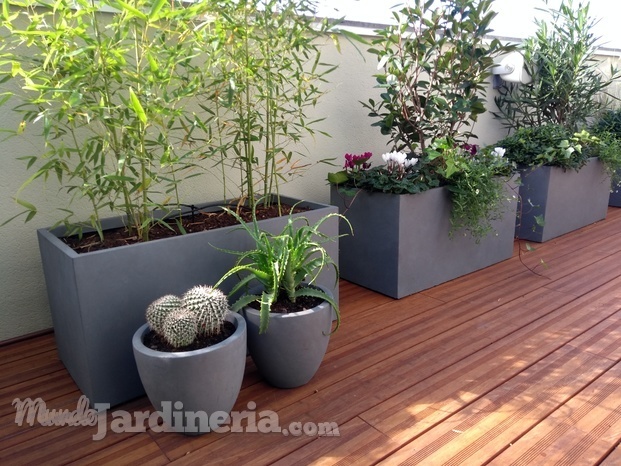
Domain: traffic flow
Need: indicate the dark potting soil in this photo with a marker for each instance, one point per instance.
(192, 223)
(284, 306)
(156, 342)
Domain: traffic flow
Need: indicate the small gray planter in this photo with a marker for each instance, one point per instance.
(204, 381)
(98, 299)
(401, 243)
(289, 354)
(564, 199)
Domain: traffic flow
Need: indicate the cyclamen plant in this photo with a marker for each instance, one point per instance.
(397, 163)
(357, 162)
(473, 175)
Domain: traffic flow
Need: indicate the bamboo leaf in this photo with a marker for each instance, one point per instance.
(137, 107)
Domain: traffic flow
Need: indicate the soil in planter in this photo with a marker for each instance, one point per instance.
(284, 306)
(157, 343)
(192, 223)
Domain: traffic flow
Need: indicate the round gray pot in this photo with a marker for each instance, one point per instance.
(189, 387)
(291, 351)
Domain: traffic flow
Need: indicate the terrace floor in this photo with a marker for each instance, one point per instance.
(503, 366)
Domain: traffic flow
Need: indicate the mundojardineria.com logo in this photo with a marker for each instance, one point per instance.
(172, 418)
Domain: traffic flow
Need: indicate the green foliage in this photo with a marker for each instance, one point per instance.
(381, 179)
(549, 144)
(284, 264)
(477, 189)
(200, 311)
(607, 127)
(112, 97)
(132, 103)
(609, 152)
(271, 74)
(475, 179)
(435, 65)
(567, 86)
(608, 122)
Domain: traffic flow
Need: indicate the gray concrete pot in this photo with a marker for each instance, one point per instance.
(289, 354)
(565, 199)
(98, 299)
(401, 243)
(190, 384)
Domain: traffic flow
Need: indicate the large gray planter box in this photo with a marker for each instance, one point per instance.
(206, 381)
(98, 299)
(401, 243)
(564, 200)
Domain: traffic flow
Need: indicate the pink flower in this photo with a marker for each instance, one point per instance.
(357, 162)
(472, 149)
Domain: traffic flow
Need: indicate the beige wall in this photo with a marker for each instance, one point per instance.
(24, 308)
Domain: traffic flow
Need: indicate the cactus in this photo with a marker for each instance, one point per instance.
(209, 305)
(179, 321)
(159, 309)
(179, 328)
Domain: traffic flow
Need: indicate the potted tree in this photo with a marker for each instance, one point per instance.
(289, 316)
(562, 187)
(191, 356)
(130, 104)
(433, 182)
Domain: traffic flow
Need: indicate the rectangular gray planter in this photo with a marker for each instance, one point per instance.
(401, 243)
(564, 200)
(98, 299)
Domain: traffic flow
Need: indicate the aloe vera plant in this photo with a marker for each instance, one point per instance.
(284, 265)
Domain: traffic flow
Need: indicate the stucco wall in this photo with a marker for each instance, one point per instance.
(24, 308)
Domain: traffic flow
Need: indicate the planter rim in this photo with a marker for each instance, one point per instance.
(514, 175)
(523, 167)
(280, 315)
(233, 317)
(59, 231)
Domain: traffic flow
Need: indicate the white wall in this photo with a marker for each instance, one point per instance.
(24, 308)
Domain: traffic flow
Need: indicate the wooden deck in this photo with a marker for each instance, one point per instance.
(503, 366)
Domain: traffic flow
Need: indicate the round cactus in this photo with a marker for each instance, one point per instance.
(209, 305)
(159, 309)
(179, 328)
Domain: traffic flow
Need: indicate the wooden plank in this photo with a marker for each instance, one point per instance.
(48, 386)
(582, 431)
(30, 367)
(504, 414)
(357, 443)
(427, 403)
(138, 449)
(24, 348)
(614, 457)
(60, 444)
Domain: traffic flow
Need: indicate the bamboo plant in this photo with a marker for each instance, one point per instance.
(111, 94)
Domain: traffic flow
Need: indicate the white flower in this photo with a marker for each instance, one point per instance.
(410, 162)
(399, 157)
(499, 152)
(395, 157)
